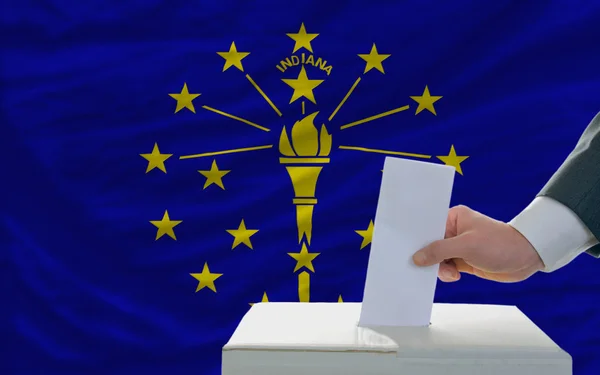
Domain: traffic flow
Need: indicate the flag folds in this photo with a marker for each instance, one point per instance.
(168, 165)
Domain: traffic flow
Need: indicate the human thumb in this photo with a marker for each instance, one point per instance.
(438, 251)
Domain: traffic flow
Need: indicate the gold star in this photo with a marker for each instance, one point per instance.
(242, 235)
(165, 226)
(426, 101)
(340, 300)
(453, 160)
(374, 60)
(206, 279)
(184, 99)
(366, 234)
(156, 159)
(233, 57)
(214, 176)
(264, 298)
(302, 39)
(303, 86)
(304, 258)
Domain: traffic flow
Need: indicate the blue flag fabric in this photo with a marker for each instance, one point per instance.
(168, 163)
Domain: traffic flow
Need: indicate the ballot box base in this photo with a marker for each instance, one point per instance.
(325, 339)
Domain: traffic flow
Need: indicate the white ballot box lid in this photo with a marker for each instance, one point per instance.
(324, 338)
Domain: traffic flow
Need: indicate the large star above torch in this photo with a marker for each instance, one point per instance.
(303, 87)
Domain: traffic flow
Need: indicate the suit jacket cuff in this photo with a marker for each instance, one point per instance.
(556, 233)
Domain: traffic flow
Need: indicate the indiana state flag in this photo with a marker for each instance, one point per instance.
(166, 164)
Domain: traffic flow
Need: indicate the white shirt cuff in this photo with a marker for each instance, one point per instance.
(556, 232)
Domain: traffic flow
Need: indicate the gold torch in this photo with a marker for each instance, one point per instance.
(304, 158)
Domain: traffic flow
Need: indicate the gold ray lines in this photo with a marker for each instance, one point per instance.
(344, 99)
(223, 152)
(236, 118)
(374, 117)
(262, 93)
(386, 152)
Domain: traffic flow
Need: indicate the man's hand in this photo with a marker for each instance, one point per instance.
(479, 245)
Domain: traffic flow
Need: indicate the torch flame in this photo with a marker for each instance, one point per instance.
(306, 140)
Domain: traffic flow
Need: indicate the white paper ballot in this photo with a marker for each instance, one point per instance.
(411, 212)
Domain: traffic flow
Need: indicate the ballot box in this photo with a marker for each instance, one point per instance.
(397, 329)
(325, 339)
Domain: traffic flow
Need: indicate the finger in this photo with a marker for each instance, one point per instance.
(438, 251)
(502, 277)
(451, 230)
(463, 266)
(448, 272)
(455, 214)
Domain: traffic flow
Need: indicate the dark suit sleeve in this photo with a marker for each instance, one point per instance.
(576, 184)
